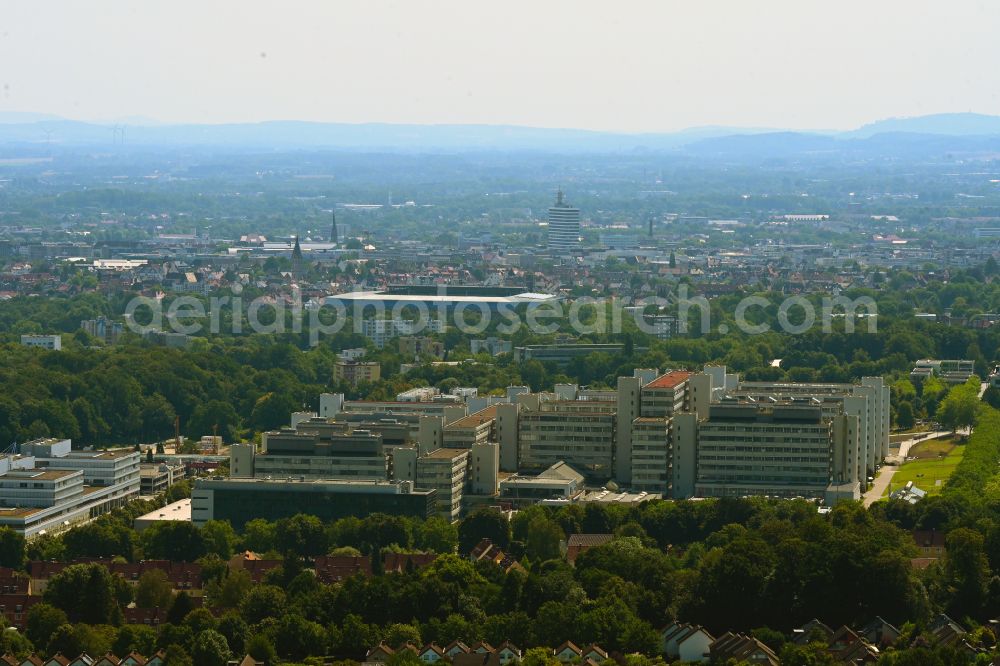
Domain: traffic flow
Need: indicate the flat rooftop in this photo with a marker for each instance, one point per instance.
(178, 511)
(444, 453)
(375, 296)
(41, 474)
(18, 511)
(113, 454)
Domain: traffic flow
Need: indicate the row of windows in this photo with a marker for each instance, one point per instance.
(709, 427)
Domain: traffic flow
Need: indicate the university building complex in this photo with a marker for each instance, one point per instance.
(673, 434)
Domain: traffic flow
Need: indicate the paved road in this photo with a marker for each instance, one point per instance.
(880, 484)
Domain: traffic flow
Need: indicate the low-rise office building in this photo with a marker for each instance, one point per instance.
(242, 500)
(179, 511)
(307, 452)
(48, 488)
(559, 482)
(117, 469)
(155, 478)
(950, 371)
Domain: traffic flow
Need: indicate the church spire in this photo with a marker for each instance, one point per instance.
(333, 228)
(297, 259)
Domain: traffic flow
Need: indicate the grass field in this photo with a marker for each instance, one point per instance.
(936, 460)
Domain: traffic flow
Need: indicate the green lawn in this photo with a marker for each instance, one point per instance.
(928, 470)
(934, 448)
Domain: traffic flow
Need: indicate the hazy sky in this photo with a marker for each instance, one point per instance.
(614, 64)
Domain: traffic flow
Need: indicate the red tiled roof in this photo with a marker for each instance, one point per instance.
(398, 562)
(669, 380)
(335, 568)
(580, 542)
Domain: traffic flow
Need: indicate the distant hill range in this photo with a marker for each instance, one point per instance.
(940, 133)
(950, 124)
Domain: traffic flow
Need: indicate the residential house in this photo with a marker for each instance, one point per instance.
(742, 648)
(595, 653)
(56, 660)
(151, 617)
(945, 631)
(379, 654)
(431, 654)
(403, 562)
(879, 633)
(811, 631)
(858, 652)
(508, 652)
(108, 660)
(579, 543)
(486, 550)
(14, 608)
(687, 642)
(931, 543)
(568, 651)
(336, 568)
(246, 661)
(850, 647)
(252, 564)
(456, 647)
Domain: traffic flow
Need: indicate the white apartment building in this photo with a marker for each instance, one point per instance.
(651, 454)
(444, 470)
(781, 450)
(868, 401)
(381, 331)
(53, 342)
(581, 433)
